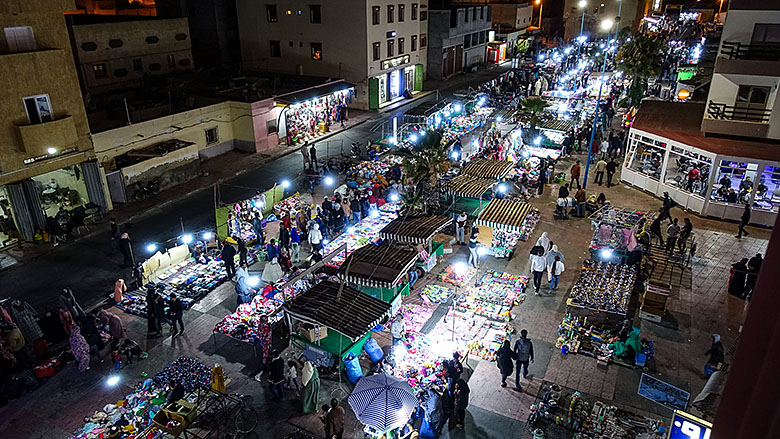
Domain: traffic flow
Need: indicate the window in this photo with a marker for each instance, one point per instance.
(191, 12)
(766, 33)
(390, 13)
(481, 13)
(152, 40)
(466, 15)
(180, 37)
(100, 70)
(315, 13)
(316, 51)
(680, 171)
(401, 9)
(375, 15)
(171, 62)
(489, 13)
(271, 14)
(114, 43)
(275, 48)
(482, 37)
(20, 39)
(767, 195)
(467, 41)
(291, 44)
(734, 182)
(423, 40)
(377, 51)
(453, 19)
(138, 64)
(390, 48)
(400, 46)
(414, 11)
(289, 12)
(89, 46)
(38, 109)
(475, 38)
(212, 136)
(647, 157)
(270, 126)
(414, 43)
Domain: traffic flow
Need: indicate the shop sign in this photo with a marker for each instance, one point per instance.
(395, 62)
(683, 94)
(685, 426)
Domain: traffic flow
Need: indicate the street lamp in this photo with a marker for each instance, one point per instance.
(605, 25)
(617, 22)
(541, 7)
(582, 4)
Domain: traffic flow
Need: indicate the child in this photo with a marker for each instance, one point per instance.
(291, 374)
(130, 347)
(115, 356)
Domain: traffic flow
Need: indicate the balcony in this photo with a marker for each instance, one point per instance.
(38, 138)
(762, 59)
(736, 121)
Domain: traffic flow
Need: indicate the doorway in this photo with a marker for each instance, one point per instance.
(751, 103)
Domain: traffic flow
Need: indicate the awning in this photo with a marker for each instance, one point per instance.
(487, 168)
(414, 229)
(468, 186)
(503, 214)
(380, 265)
(353, 315)
(317, 91)
(557, 125)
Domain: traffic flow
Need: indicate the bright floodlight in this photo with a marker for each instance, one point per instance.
(51, 150)
(208, 235)
(582, 4)
(607, 24)
(422, 133)
(112, 381)
(329, 180)
(455, 154)
(399, 352)
(499, 118)
(394, 197)
(606, 254)
(325, 242)
(568, 50)
(186, 238)
(502, 188)
(413, 137)
(374, 214)
(460, 268)
(457, 108)
(253, 281)
(475, 143)
(393, 140)
(538, 141)
(258, 204)
(352, 230)
(151, 247)
(541, 57)
(582, 38)
(286, 184)
(525, 154)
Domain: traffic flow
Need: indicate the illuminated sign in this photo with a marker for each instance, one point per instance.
(683, 94)
(395, 84)
(685, 73)
(395, 62)
(685, 426)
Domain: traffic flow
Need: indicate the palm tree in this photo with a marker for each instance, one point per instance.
(531, 108)
(641, 58)
(424, 163)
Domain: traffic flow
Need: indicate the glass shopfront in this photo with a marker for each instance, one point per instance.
(688, 171)
(767, 194)
(61, 189)
(9, 232)
(734, 181)
(306, 120)
(392, 85)
(646, 156)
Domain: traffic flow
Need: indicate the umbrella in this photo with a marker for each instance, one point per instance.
(382, 401)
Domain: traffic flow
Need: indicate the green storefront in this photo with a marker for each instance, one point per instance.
(390, 86)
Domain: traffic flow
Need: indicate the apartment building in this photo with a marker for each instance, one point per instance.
(379, 46)
(46, 154)
(458, 37)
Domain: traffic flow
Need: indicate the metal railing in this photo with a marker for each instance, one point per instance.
(751, 51)
(731, 112)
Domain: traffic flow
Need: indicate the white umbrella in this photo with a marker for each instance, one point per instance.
(383, 401)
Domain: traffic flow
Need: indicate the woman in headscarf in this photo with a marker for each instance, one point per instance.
(79, 348)
(544, 242)
(69, 303)
(738, 278)
(462, 392)
(506, 363)
(310, 392)
(115, 327)
(272, 272)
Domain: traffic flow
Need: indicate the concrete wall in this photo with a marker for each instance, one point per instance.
(95, 44)
(513, 16)
(739, 24)
(723, 90)
(47, 70)
(443, 36)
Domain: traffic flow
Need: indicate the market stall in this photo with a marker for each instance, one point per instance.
(235, 219)
(614, 234)
(504, 222)
(366, 231)
(333, 319)
(466, 186)
(602, 291)
(310, 112)
(487, 168)
(380, 270)
(418, 230)
(618, 345)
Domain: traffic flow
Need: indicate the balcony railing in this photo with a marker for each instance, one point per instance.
(731, 112)
(748, 51)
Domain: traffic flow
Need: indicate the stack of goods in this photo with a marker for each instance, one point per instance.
(576, 337)
(495, 295)
(415, 316)
(291, 203)
(132, 415)
(241, 214)
(487, 346)
(529, 223)
(133, 303)
(414, 361)
(368, 169)
(504, 241)
(245, 323)
(437, 293)
(364, 232)
(604, 286)
(450, 275)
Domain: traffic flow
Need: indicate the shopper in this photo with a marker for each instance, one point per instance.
(284, 237)
(473, 255)
(228, 255)
(295, 245)
(335, 420)
(744, 220)
(672, 232)
(354, 207)
(291, 375)
(158, 309)
(738, 278)
(151, 322)
(116, 328)
(113, 232)
(276, 376)
(555, 271)
(271, 250)
(79, 348)
(462, 392)
(177, 312)
(315, 237)
(397, 328)
(715, 362)
(243, 253)
(313, 155)
(460, 228)
(575, 173)
(582, 200)
(753, 268)
(601, 166)
(305, 155)
(126, 248)
(685, 234)
(310, 379)
(544, 242)
(447, 410)
(538, 265)
(524, 352)
(611, 169)
(505, 361)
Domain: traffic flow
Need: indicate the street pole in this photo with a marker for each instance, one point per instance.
(541, 7)
(596, 116)
(582, 28)
(617, 22)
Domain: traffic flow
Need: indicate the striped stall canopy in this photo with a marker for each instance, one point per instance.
(414, 229)
(487, 168)
(354, 314)
(467, 186)
(383, 401)
(503, 214)
(557, 125)
(379, 265)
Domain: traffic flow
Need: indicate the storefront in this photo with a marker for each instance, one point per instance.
(310, 113)
(707, 175)
(391, 86)
(496, 52)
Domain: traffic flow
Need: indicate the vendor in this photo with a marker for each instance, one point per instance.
(175, 391)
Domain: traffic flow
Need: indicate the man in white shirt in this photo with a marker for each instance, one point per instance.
(538, 265)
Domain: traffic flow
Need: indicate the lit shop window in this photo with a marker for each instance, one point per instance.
(688, 171)
(734, 182)
(316, 51)
(647, 157)
(767, 194)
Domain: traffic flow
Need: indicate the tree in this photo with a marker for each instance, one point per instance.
(424, 163)
(641, 58)
(531, 108)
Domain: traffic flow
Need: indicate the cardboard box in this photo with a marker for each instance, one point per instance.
(313, 334)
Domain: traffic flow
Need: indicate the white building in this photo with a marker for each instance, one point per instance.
(378, 45)
(458, 37)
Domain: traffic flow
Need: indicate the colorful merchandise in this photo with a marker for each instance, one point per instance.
(604, 286)
(437, 293)
(449, 275)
